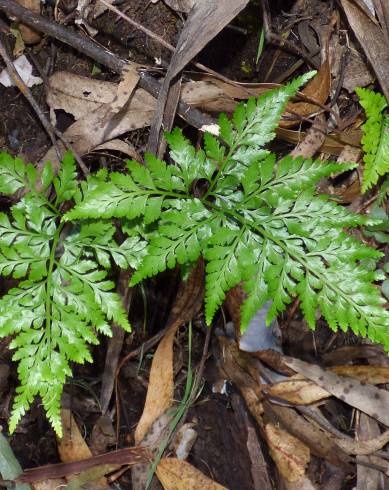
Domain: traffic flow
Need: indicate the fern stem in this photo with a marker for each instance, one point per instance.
(49, 283)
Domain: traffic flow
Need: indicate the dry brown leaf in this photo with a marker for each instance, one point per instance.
(72, 447)
(289, 454)
(369, 446)
(367, 398)
(372, 41)
(318, 88)
(91, 129)
(369, 374)
(122, 146)
(30, 36)
(320, 442)
(179, 5)
(125, 89)
(161, 383)
(300, 391)
(78, 95)
(367, 429)
(175, 474)
(333, 143)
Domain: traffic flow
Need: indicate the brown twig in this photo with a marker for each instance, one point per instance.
(17, 80)
(50, 129)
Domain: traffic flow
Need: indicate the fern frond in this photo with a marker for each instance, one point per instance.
(254, 220)
(375, 140)
(54, 313)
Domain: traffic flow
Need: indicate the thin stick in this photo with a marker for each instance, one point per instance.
(17, 80)
(50, 129)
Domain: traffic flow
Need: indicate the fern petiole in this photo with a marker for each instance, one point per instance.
(49, 279)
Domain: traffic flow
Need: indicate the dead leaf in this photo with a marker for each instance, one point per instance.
(319, 441)
(203, 23)
(161, 383)
(52, 484)
(175, 474)
(300, 391)
(78, 95)
(368, 428)
(72, 446)
(369, 374)
(30, 36)
(289, 454)
(372, 41)
(318, 88)
(365, 447)
(125, 89)
(367, 398)
(122, 146)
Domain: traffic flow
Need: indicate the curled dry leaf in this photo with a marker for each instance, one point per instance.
(119, 145)
(289, 454)
(175, 474)
(367, 398)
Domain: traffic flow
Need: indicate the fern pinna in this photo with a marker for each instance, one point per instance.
(63, 298)
(254, 219)
(375, 139)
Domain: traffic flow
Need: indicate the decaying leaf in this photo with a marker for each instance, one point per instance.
(72, 446)
(175, 474)
(161, 383)
(372, 41)
(367, 398)
(297, 390)
(318, 88)
(289, 453)
(366, 446)
(30, 36)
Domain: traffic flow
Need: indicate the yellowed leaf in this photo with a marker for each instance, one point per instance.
(72, 447)
(289, 453)
(161, 384)
(175, 474)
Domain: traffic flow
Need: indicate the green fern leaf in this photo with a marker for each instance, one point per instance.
(54, 313)
(375, 140)
(252, 218)
(65, 183)
(12, 174)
